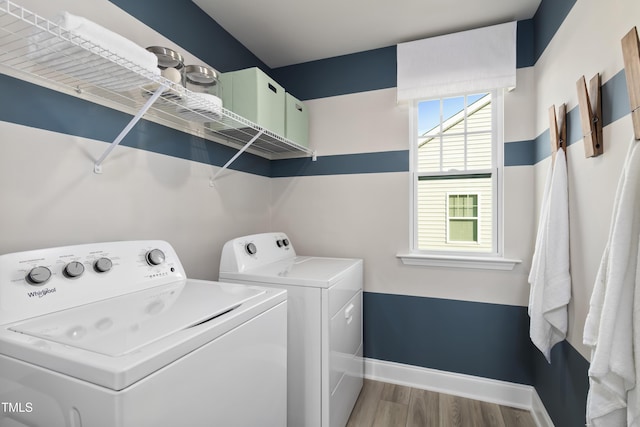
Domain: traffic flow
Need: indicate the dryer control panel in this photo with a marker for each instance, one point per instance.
(38, 282)
(244, 253)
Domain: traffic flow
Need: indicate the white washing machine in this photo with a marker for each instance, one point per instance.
(114, 335)
(325, 322)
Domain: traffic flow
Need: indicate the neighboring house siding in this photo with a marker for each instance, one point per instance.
(433, 215)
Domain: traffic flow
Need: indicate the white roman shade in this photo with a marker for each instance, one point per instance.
(464, 62)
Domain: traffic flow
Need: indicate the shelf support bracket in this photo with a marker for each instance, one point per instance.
(97, 167)
(233, 159)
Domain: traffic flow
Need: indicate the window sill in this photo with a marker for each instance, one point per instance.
(459, 261)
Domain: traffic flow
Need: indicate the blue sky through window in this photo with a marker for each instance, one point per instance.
(429, 111)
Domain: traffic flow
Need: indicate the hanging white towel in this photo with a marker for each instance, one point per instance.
(542, 224)
(612, 327)
(550, 277)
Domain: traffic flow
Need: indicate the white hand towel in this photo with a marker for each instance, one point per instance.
(550, 276)
(612, 327)
(542, 224)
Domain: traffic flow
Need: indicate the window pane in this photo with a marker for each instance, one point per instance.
(453, 114)
(479, 151)
(453, 153)
(468, 219)
(463, 230)
(429, 118)
(429, 155)
(479, 113)
(463, 205)
(455, 137)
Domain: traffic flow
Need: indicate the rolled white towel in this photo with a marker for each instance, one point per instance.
(86, 61)
(109, 40)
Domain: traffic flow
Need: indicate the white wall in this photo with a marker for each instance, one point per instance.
(367, 215)
(49, 195)
(352, 215)
(588, 42)
(111, 17)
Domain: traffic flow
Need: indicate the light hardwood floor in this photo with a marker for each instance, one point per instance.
(388, 405)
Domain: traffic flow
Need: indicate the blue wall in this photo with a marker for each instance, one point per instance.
(184, 23)
(563, 384)
(42, 108)
(481, 339)
(485, 340)
(369, 70)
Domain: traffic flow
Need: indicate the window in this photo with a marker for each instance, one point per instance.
(456, 169)
(462, 218)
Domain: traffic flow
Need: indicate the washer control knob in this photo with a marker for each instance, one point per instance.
(38, 275)
(251, 248)
(155, 257)
(73, 269)
(285, 242)
(280, 243)
(102, 265)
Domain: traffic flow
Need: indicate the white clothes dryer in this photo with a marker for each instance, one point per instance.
(325, 322)
(114, 335)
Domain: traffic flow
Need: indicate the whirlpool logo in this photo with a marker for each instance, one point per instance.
(41, 292)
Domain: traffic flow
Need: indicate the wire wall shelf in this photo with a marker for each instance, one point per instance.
(37, 50)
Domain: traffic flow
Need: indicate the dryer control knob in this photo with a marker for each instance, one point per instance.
(155, 257)
(285, 242)
(73, 269)
(251, 248)
(102, 265)
(279, 243)
(39, 275)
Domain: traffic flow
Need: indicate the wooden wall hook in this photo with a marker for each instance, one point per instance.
(631, 54)
(558, 129)
(590, 104)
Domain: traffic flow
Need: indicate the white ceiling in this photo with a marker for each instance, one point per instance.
(285, 32)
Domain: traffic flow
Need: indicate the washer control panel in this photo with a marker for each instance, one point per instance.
(256, 250)
(42, 281)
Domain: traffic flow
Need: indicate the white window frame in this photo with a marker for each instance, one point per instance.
(493, 260)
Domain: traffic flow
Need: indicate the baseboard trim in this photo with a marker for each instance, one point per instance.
(540, 414)
(485, 389)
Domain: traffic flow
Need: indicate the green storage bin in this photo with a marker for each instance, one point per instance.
(296, 119)
(252, 94)
(226, 90)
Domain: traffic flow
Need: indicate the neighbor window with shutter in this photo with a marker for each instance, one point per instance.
(456, 172)
(462, 218)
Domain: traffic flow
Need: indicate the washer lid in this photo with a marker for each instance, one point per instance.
(117, 342)
(320, 272)
(121, 325)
